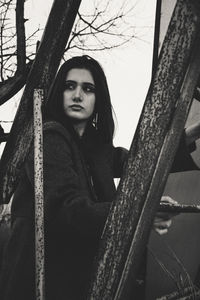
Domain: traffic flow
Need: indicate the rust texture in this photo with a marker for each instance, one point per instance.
(39, 195)
(179, 208)
(44, 68)
(156, 139)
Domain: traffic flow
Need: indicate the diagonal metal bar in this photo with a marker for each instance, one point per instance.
(152, 151)
(44, 68)
(179, 208)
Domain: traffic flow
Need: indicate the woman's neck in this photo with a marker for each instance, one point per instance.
(79, 127)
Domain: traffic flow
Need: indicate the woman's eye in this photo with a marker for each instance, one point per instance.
(69, 86)
(89, 88)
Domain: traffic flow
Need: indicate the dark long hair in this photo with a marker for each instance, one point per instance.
(102, 119)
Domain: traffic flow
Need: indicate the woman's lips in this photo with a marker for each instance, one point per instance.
(76, 107)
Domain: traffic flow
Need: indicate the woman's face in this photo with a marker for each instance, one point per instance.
(79, 95)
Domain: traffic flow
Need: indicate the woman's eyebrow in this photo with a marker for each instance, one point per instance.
(84, 82)
(71, 81)
(90, 83)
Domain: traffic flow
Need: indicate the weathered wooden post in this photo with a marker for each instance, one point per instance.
(43, 70)
(152, 151)
(39, 195)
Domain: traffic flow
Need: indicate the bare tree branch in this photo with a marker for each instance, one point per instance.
(5, 7)
(13, 85)
(91, 32)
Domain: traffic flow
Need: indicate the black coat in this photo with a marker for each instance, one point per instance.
(78, 189)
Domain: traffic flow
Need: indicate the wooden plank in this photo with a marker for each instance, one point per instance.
(44, 68)
(152, 151)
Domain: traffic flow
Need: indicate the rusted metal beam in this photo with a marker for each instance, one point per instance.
(152, 151)
(44, 68)
(178, 208)
(39, 195)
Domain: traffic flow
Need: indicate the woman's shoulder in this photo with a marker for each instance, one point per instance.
(56, 128)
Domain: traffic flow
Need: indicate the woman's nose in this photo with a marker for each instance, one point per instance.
(78, 94)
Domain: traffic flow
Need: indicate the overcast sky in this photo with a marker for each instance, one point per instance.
(128, 69)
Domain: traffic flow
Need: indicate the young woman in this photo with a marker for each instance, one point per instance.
(80, 163)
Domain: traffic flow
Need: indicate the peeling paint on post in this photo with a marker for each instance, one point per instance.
(39, 195)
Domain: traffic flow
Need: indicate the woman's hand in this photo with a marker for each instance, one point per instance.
(163, 220)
